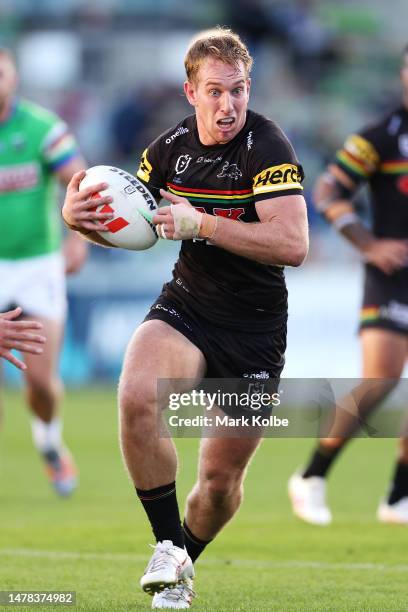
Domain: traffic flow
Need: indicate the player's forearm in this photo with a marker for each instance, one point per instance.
(73, 237)
(332, 197)
(272, 242)
(341, 214)
(358, 235)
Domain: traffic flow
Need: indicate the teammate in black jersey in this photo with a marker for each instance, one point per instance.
(234, 188)
(377, 155)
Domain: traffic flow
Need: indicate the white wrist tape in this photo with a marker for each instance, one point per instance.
(187, 221)
(348, 218)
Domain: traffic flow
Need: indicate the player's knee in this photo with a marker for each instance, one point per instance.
(44, 389)
(137, 405)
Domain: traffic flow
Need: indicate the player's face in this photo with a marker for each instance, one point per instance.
(220, 97)
(8, 79)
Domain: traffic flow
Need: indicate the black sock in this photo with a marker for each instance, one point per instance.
(161, 507)
(399, 487)
(194, 545)
(321, 461)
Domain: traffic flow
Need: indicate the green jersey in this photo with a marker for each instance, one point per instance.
(34, 144)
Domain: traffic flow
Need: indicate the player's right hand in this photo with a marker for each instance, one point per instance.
(19, 335)
(79, 209)
(389, 255)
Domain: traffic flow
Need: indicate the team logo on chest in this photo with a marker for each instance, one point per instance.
(231, 171)
(182, 163)
(403, 144)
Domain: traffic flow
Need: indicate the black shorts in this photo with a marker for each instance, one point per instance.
(385, 300)
(255, 358)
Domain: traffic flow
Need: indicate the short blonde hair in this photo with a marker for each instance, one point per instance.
(220, 43)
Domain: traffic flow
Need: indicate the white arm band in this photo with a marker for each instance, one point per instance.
(349, 218)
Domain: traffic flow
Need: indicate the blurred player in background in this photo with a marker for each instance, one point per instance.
(233, 182)
(19, 335)
(35, 150)
(377, 155)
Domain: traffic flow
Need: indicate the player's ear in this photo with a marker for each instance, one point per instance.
(190, 91)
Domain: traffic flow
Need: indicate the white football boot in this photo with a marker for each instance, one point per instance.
(308, 497)
(179, 597)
(394, 513)
(168, 565)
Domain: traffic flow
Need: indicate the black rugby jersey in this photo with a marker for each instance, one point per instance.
(379, 155)
(257, 164)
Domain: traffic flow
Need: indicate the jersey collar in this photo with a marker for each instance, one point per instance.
(218, 147)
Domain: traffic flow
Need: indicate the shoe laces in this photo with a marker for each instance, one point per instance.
(161, 557)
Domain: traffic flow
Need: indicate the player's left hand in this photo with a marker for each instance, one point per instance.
(179, 221)
(19, 335)
(75, 253)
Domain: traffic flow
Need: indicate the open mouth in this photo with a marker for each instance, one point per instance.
(227, 122)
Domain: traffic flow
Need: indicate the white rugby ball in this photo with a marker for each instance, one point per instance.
(133, 207)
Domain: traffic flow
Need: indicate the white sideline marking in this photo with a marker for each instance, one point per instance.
(90, 556)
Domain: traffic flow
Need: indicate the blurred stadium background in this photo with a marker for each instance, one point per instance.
(113, 69)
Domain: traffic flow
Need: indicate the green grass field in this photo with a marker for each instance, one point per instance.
(97, 542)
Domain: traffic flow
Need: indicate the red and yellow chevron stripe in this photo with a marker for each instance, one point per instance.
(218, 196)
(396, 166)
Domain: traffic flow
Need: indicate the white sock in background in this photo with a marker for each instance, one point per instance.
(47, 436)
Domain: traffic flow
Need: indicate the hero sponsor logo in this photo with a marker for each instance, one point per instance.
(182, 130)
(277, 177)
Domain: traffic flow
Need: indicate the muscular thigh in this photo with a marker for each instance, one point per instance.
(158, 352)
(384, 353)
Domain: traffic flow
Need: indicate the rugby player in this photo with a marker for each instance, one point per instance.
(234, 188)
(377, 155)
(35, 150)
(19, 335)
